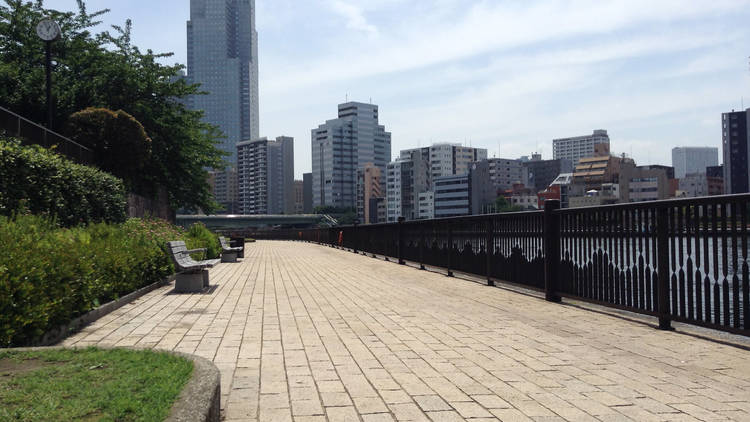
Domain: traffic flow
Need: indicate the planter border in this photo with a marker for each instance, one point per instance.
(200, 398)
(61, 332)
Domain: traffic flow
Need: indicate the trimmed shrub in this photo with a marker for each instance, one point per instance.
(118, 140)
(42, 182)
(198, 236)
(50, 275)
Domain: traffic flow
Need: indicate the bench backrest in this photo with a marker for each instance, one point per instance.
(223, 242)
(180, 258)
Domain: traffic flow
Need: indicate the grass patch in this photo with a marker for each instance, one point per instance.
(90, 384)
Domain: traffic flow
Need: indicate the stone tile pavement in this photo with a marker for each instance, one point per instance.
(309, 333)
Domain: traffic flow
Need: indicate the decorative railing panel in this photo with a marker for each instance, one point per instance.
(685, 260)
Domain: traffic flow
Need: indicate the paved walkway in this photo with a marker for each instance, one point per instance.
(312, 333)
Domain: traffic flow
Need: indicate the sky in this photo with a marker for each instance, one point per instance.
(508, 76)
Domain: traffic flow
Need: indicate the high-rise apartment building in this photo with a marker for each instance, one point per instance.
(687, 160)
(447, 159)
(406, 179)
(224, 187)
(368, 186)
(265, 173)
(578, 147)
(343, 145)
(736, 148)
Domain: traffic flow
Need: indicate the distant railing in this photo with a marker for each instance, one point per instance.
(32, 133)
(679, 260)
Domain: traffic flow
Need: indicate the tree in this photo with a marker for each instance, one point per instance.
(118, 140)
(105, 70)
(502, 205)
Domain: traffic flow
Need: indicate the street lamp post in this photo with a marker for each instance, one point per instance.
(49, 31)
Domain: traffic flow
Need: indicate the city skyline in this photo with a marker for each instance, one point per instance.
(654, 75)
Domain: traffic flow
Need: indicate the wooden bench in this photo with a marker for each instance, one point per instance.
(229, 253)
(192, 275)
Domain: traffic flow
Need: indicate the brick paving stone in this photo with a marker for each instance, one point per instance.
(314, 333)
(431, 403)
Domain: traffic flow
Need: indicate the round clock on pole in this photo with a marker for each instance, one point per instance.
(48, 30)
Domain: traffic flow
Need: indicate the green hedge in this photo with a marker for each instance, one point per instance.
(50, 275)
(43, 182)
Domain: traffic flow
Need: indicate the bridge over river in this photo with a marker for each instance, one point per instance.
(311, 333)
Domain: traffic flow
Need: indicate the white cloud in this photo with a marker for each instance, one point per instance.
(354, 16)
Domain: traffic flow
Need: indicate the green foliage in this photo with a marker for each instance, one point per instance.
(90, 384)
(43, 182)
(118, 140)
(49, 275)
(104, 70)
(502, 205)
(201, 237)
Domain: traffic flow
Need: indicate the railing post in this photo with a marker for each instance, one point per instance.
(400, 240)
(662, 246)
(450, 249)
(421, 246)
(551, 249)
(355, 235)
(488, 251)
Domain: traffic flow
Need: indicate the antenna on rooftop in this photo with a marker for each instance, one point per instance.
(370, 100)
(347, 97)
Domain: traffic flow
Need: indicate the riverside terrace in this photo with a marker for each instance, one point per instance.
(310, 333)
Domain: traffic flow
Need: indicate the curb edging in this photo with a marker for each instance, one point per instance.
(200, 398)
(61, 332)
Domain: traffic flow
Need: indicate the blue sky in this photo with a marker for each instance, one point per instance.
(505, 75)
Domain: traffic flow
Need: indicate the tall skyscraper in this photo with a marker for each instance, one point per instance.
(687, 160)
(342, 146)
(736, 146)
(222, 48)
(265, 172)
(579, 147)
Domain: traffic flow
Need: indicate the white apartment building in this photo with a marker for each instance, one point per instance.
(578, 147)
(446, 159)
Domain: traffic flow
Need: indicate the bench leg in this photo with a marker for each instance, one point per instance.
(229, 257)
(189, 282)
(205, 278)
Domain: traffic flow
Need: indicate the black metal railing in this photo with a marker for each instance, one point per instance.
(679, 260)
(32, 133)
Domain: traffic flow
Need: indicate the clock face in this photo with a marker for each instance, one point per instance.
(48, 30)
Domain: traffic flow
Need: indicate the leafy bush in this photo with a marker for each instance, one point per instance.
(118, 140)
(50, 275)
(198, 236)
(43, 182)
